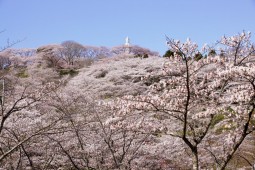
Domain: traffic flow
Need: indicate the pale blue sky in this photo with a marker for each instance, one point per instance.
(108, 22)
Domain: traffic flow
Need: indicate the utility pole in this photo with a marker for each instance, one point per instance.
(2, 95)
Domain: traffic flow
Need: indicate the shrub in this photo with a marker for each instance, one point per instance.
(70, 72)
(101, 74)
(145, 56)
(150, 80)
(168, 54)
(22, 74)
(141, 56)
(212, 53)
(217, 119)
(198, 56)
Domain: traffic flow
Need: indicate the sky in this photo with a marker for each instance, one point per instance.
(109, 22)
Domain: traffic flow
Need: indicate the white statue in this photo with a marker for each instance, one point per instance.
(127, 46)
(127, 42)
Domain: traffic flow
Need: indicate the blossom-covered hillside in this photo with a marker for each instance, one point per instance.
(118, 76)
(69, 106)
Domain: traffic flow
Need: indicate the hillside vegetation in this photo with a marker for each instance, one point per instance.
(71, 106)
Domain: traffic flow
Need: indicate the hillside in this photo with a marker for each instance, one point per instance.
(118, 76)
(124, 111)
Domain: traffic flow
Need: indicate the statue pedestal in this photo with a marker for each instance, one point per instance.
(127, 46)
(127, 49)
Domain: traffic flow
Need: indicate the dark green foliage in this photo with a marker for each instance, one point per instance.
(22, 74)
(70, 72)
(101, 74)
(216, 119)
(212, 52)
(149, 81)
(222, 53)
(198, 56)
(145, 56)
(168, 54)
(172, 54)
(222, 129)
(141, 56)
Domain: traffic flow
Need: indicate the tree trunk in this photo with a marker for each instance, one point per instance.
(195, 161)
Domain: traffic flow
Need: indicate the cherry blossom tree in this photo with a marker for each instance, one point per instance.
(208, 104)
(53, 60)
(89, 136)
(238, 48)
(122, 140)
(20, 121)
(70, 51)
(197, 113)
